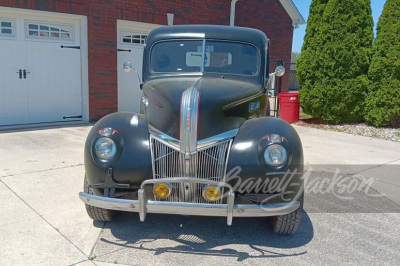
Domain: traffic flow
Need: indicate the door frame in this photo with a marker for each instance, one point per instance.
(83, 25)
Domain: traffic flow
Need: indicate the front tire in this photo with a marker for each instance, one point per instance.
(95, 213)
(289, 223)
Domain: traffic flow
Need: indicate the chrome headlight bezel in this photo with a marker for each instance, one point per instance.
(275, 155)
(109, 149)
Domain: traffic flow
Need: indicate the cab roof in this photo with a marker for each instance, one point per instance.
(249, 35)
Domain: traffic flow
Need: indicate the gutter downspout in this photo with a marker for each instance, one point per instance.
(233, 9)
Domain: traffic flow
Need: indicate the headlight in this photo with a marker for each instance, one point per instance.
(105, 148)
(275, 155)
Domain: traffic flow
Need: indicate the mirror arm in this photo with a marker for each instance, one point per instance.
(270, 84)
(140, 80)
(128, 68)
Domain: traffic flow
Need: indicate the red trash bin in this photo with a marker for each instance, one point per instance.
(289, 106)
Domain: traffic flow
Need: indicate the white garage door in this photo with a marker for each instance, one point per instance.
(40, 70)
(131, 40)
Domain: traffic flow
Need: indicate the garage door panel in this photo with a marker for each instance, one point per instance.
(9, 68)
(16, 109)
(55, 76)
(52, 87)
(13, 91)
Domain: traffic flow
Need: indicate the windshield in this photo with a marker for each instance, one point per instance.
(221, 57)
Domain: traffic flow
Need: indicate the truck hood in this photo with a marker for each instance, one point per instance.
(216, 95)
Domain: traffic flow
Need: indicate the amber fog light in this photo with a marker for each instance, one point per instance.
(162, 190)
(211, 193)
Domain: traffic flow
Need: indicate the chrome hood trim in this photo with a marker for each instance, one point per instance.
(189, 116)
(217, 139)
(176, 144)
(164, 138)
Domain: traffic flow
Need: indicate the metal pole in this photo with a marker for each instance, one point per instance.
(279, 62)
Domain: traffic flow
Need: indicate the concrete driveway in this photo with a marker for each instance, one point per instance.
(43, 222)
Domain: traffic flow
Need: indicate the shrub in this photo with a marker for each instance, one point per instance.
(383, 104)
(348, 103)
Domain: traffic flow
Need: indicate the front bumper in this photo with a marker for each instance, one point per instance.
(229, 210)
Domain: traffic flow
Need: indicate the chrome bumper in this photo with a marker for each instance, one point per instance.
(229, 210)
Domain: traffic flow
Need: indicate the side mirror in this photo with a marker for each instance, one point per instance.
(269, 85)
(280, 71)
(127, 66)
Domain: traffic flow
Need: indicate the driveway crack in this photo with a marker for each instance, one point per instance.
(40, 171)
(373, 167)
(79, 262)
(97, 240)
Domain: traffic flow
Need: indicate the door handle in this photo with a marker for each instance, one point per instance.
(20, 73)
(25, 72)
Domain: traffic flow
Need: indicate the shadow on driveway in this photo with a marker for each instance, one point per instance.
(204, 236)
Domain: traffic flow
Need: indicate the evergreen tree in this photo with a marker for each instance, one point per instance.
(383, 101)
(333, 78)
(307, 65)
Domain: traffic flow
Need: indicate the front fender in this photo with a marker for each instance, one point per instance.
(133, 162)
(247, 152)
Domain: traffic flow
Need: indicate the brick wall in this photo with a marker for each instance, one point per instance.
(270, 17)
(267, 15)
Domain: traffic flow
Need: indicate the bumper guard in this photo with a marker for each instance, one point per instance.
(230, 210)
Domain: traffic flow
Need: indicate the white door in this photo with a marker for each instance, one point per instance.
(131, 40)
(47, 52)
(13, 89)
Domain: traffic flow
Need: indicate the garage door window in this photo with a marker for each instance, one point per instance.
(134, 38)
(36, 30)
(6, 28)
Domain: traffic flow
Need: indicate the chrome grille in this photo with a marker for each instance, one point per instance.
(207, 163)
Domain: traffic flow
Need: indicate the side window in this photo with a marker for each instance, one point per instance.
(49, 31)
(7, 27)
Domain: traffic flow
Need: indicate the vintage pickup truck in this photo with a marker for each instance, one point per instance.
(203, 143)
